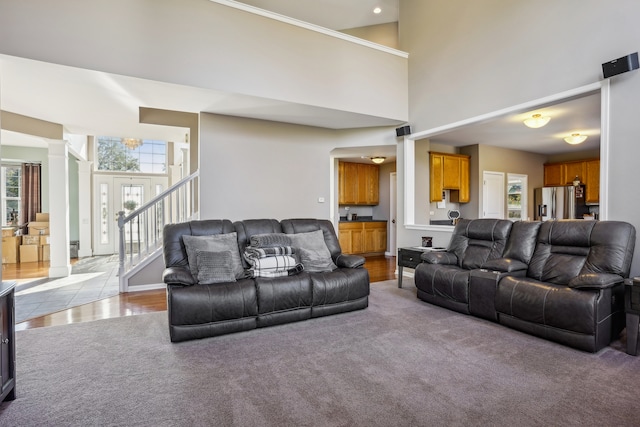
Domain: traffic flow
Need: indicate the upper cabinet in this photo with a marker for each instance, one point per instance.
(358, 184)
(449, 172)
(587, 171)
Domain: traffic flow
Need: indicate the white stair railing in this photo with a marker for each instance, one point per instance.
(141, 231)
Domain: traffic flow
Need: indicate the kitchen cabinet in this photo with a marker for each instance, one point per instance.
(449, 172)
(375, 237)
(351, 237)
(358, 184)
(573, 170)
(564, 173)
(363, 237)
(592, 182)
(553, 175)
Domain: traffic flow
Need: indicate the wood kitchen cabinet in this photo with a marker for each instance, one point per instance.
(592, 181)
(449, 172)
(363, 237)
(351, 237)
(358, 184)
(588, 171)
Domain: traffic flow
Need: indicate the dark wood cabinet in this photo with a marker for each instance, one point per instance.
(7, 342)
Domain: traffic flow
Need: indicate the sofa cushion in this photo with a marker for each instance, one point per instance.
(312, 251)
(214, 267)
(214, 243)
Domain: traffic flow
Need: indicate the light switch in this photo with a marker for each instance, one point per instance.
(320, 199)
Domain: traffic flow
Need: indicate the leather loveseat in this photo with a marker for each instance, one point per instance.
(560, 280)
(199, 310)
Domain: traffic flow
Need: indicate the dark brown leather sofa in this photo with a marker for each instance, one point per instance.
(560, 280)
(206, 310)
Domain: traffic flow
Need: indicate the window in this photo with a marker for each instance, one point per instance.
(149, 156)
(11, 194)
(516, 197)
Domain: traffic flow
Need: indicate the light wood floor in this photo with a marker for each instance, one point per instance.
(380, 268)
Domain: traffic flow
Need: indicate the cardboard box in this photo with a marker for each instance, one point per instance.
(42, 217)
(29, 253)
(30, 240)
(38, 228)
(44, 252)
(44, 240)
(11, 249)
(8, 232)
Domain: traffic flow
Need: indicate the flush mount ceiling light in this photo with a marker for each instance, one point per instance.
(378, 160)
(537, 121)
(575, 138)
(131, 143)
(377, 10)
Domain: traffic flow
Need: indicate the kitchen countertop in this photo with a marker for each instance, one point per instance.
(362, 219)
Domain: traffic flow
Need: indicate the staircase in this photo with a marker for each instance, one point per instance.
(141, 231)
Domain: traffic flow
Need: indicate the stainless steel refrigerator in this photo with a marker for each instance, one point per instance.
(559, 203)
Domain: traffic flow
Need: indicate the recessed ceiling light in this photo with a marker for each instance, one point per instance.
(377, 10)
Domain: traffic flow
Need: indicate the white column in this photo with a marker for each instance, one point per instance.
(84, 208)
(59, 208)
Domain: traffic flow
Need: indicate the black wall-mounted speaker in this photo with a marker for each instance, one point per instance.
(620, 65)
(404, 130)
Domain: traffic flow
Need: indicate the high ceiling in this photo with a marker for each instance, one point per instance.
(333, 14)
(89, 102)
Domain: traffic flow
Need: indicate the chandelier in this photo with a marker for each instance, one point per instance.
(131, 143)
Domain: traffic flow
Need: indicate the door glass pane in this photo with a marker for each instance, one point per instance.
(516, 197)
(132, 198)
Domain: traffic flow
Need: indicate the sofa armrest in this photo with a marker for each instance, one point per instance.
(505, 265)
(178, 275)
(595, 281)
(349, 261)
(444, 258)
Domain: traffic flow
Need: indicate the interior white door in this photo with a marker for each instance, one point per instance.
(393, 212)
(493, 195)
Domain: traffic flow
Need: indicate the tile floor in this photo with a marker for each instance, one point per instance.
(91, 279)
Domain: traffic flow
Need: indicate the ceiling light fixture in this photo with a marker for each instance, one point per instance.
(377, 10)
(377, 160)
(575, 138)
(537, 121)
(131, 143)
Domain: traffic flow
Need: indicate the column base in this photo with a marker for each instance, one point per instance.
(61, 271)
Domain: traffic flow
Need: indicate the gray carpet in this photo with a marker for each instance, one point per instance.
(401, 362)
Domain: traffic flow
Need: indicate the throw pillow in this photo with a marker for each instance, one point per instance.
(214, 267)
(268, 240)
(313, 251)
(214, 243)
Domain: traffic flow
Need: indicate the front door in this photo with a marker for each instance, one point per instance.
(115, 194)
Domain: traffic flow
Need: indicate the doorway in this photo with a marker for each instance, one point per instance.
(113, 194)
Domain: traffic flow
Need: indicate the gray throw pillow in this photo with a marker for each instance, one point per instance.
(214, 267)
(313, 251)
(214, 243)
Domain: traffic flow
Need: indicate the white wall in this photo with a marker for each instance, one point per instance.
(470, 58)
(260, 169)
(208, 45)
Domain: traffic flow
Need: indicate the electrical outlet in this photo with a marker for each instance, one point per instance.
(432, 213)
(320, 199)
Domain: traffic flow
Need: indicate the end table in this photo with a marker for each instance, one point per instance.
(632, 308)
